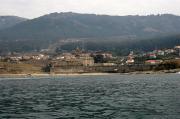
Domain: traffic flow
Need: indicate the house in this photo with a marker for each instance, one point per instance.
(130, 58)
(26, 57)
(152, 56)
(177, 48)
(108, 64)
(40, 57)
(160, 52)
(107, 55)
(68, 59)
(65, 56)
(153, 62)
(130, 61)
(15, 58)
(87, 60)
(169, 51)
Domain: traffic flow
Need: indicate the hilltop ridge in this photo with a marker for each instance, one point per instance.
(9, 21)
(49, 29)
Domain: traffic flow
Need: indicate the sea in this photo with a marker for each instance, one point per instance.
(114, 96)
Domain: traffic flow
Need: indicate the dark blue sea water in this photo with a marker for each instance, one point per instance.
(91, 97)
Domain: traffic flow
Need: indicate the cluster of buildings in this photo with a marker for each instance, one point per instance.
(79, 60)
(154, 57)
(82, 58)
(17, 57)
(68, 59)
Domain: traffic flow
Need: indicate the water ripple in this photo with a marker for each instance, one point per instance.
(97, 97)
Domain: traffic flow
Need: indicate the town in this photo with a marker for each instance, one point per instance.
(81, 61)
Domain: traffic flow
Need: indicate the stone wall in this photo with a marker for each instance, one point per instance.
(100, 69)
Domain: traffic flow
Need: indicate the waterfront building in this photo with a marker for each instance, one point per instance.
(153, 62)
(87, 60)
(130, 58)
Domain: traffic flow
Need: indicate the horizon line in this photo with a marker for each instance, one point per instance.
(151, 14)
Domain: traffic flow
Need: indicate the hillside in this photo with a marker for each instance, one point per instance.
(72, 25)
(9, 21)
(100, 32)
(125, 46)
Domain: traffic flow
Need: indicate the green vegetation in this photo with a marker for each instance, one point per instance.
(167, 65)
(124, 47)
(118, 34)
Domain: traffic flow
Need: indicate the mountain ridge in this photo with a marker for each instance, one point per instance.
(9, 21)
(43, 31)
(56, 26)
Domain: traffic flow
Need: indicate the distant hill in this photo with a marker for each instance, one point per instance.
(9, 21)
(125, 46)
(72, 25)
(42, 31)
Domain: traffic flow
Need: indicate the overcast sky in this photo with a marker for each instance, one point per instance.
(36, 8)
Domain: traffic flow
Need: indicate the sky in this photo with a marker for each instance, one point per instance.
(36, 8)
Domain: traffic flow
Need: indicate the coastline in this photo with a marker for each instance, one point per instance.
(46, 75)
(34, 75)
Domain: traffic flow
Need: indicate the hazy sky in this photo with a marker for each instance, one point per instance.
(35, 8)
